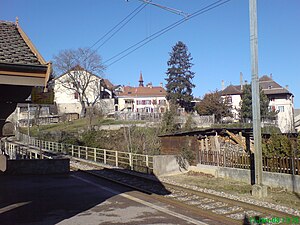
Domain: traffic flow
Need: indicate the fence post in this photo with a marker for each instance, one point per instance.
(224, 162)
(78, 151)
(95, 155)
(104, 156)
(117, 163)
(72, 150)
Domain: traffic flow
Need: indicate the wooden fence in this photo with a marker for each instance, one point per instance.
(289, 165)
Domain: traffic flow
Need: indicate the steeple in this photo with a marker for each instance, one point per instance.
(141, 80)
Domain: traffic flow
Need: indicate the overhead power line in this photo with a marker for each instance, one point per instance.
(115, 29)
(172, 10)
(157, 34)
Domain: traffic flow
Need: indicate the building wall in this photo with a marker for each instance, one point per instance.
(142, 104)
(285, 107)
(236, 99)
(281, 103)
(68, 101)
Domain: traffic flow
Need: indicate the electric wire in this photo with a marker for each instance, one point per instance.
(163, 31)
(125, 21)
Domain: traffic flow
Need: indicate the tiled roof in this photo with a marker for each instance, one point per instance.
(108, 84)
(232, 90)
(271, 87)
(13, 48)
(143, 92)
(268, 85)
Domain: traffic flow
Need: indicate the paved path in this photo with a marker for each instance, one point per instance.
(80, 199)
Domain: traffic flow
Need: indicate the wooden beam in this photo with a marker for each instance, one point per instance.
(31, 46)
(23, 74)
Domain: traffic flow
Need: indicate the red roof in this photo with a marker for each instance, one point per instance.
(143, 92)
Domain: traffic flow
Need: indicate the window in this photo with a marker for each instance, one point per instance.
(280, 108)
(229, 99)
(128, 101)
(76, 96)
(162, 102)
(154, 102)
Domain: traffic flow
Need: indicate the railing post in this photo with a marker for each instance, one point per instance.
(104, 156)
(86, 152)
(78, 151)
(130, 161)
(147, 161)
(72, 150)
(116, 155)
(147, 164)
(95, 154)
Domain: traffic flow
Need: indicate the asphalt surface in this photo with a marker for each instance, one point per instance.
(77, 198)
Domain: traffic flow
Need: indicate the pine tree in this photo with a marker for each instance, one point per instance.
(246, 103)
(179, 81)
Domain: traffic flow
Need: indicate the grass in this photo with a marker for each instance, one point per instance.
(74, 126)
(275, 195)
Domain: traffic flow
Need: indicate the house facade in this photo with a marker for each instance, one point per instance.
(142, 99)
(67, 96)
(281, 101)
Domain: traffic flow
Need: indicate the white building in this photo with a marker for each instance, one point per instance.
(281, 100)
(79, 86)
(149, 99)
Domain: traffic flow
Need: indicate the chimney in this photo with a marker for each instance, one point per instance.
(287, 87)
(223, 85)
(241, 80)
(271, 76)
(246, 82)
(161, 84)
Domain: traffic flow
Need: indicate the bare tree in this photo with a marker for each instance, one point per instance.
(80, 72)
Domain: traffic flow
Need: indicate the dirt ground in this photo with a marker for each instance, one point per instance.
(201, 180)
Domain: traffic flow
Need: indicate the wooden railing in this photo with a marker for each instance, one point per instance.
(126, 160)
(290, 165)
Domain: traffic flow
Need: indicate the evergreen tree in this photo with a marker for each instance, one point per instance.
(246, 103)
(179, 81)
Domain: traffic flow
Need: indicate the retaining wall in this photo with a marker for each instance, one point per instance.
(282, 180)
(38, 166)
(167, 164)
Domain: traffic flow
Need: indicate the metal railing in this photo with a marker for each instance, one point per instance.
(15, 151)
(126, 160)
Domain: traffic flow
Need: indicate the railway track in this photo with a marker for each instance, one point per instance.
(211, 206)
(215, 207)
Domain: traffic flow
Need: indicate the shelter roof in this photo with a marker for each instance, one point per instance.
(15, 46)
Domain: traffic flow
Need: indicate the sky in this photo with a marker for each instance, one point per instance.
(218, 39)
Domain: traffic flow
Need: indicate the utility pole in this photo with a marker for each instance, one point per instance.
(258, 189)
